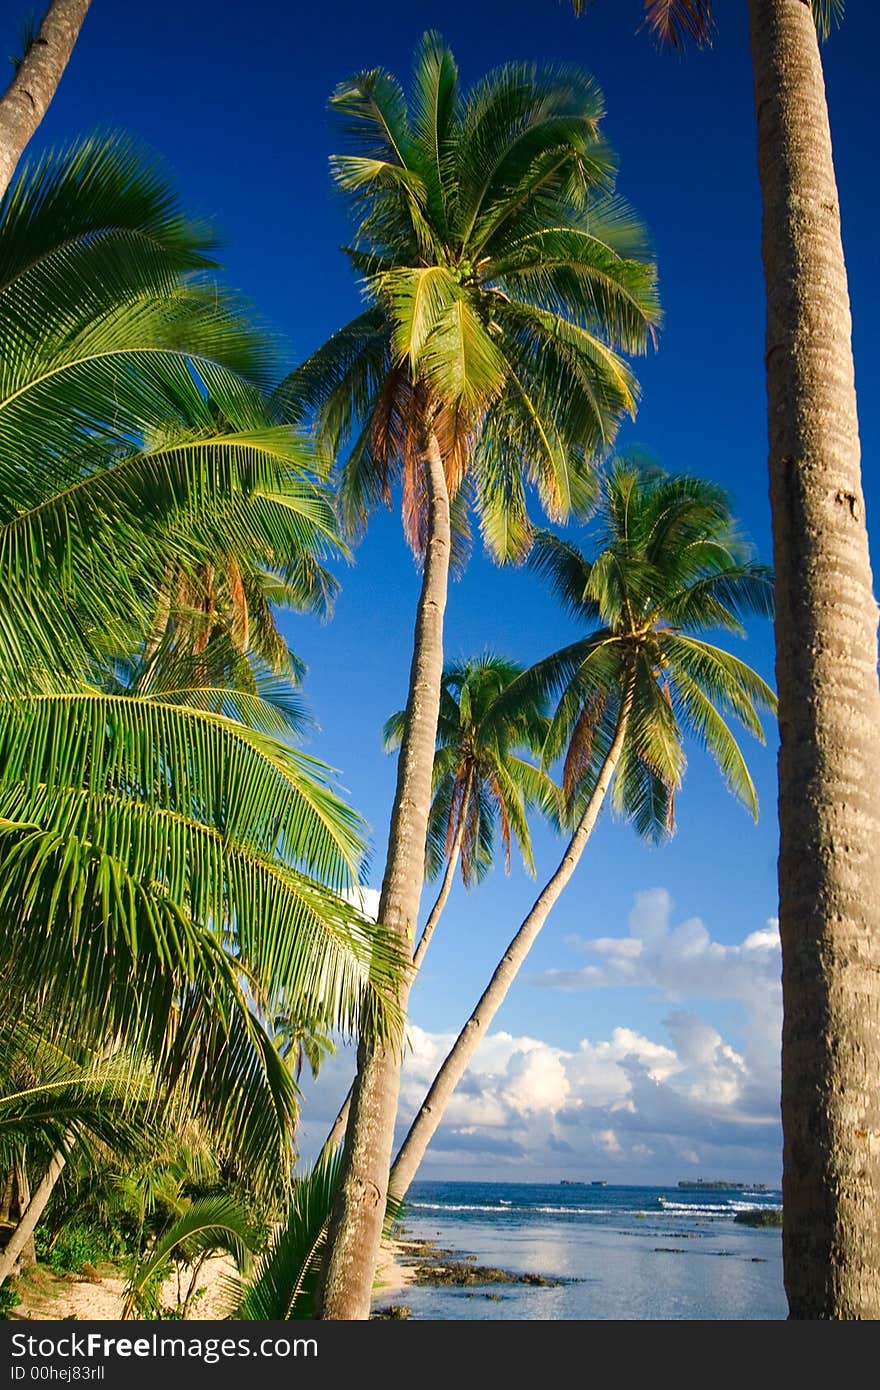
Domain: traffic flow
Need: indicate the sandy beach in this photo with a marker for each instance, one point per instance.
(96, 1295)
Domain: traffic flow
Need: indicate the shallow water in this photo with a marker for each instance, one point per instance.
(647, 1253)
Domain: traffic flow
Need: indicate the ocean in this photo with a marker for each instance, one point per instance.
(661, 1253)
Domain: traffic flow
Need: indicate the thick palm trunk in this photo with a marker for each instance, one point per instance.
(356, 1222)
(425, 1124)
(26, 100)
(24, 1231)
(337, 1130)
(829, 708)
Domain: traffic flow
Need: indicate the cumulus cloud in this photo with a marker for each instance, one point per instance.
(623, 1104)
(627, 1106)
(681, 961)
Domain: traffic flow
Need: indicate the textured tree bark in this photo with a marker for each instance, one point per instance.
(7, 1192)
(26, 100)
(28, 1257)
(356, 1221)
(24, 1231)
(433, 1108)
(829, 707)
(337, 1130)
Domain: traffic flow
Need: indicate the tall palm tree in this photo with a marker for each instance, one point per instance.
(168, 876)
(482, 786)
(501, 276)
(46, 54)
(668, 565)
(826, 674)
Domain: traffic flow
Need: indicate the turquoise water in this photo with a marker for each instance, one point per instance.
(644, 1253)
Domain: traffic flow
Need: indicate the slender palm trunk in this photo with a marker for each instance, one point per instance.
(24, 1231)
(356, 1221)
(425, 1124)
(28, 1257)
(337, 1131)
(26, 100)
(829, 707)
(445, 889)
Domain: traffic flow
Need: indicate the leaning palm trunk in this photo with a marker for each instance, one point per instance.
(445, 888)
(337, 1131)
(829, 708)
(26, 100)
(30, 1216)
(356, 1223)
(433, 1108)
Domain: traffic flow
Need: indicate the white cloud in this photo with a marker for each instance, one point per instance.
(626, 1106)
(681, 962)
(720, 1074)
(367, 899)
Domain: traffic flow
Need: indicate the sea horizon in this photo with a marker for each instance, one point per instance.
(627, 1251)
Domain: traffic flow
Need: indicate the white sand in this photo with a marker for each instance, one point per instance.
(49, 1297)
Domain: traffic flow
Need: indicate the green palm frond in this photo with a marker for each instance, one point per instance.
(208, 1224)
(668, 564)
(283, 1285)
(188, 762)
(504, 281)
(59, 1101)
(482, 782)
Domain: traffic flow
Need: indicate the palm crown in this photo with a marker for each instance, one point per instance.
(502, 276)
(482, 783)
(669, 567)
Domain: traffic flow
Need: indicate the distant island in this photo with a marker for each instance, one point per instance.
(719, 1185)
(581, 1182)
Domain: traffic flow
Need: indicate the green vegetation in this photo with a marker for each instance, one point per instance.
(171, 869)
(177, 876)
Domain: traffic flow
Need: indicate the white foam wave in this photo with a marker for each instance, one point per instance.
(711, 1208)
(526, 1210)
(453, 1206)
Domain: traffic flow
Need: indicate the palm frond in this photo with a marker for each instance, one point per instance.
(283, 1285)
(207, 1224)
(673, 22)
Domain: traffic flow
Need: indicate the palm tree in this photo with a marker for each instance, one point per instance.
(37, 74)
(214, 642)
(668, 565)
(826, 674)
(169, 877)
(501, 276)
(57, 1099)
(480, 782)
(482, 785)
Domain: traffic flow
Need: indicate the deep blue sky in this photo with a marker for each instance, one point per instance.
(235, 100)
